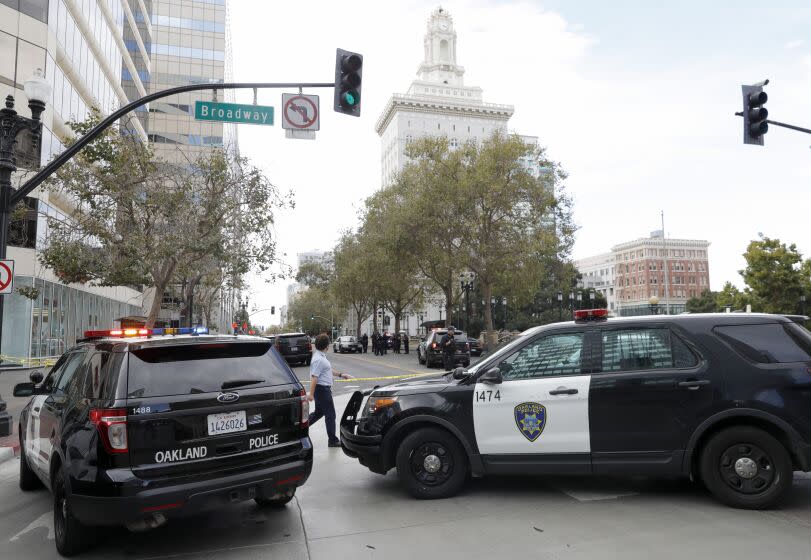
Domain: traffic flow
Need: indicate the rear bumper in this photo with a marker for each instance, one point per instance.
(457, 358)
(191, 497)
(297, 357)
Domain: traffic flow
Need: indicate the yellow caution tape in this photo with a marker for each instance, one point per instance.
(27, 362)
(386, 377)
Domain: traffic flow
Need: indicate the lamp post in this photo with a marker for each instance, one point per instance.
(571, 301)
(653, 304)
(466, 283)
(579, 299)
(802, 304)
(38, 90)
(560, 305)
(504, 301)
(591, 299)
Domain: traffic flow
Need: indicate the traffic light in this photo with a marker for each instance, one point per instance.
(348, 72)
(754, 113)
(272, 309)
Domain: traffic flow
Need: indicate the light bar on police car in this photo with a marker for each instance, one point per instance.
(117, 333)
(581, 315)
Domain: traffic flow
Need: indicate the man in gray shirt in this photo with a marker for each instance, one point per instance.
(321, 374)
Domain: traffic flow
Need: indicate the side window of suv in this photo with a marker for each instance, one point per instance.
(65, 382)
(53, 375)
(637, 349)
(768, 343)
(556, 354)
(101, 375)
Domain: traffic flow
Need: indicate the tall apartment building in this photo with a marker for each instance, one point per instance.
(651, 274)
(102, 53)
(80, 47)
(190, 44)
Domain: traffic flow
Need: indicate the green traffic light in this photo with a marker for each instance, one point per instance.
(350, 98)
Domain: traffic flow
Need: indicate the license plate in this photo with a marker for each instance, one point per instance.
(293, 348)
(226, 422)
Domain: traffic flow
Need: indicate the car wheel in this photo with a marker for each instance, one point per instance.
(28, 478)
(746, 468)
(71, 537)
(276, 502)
(431, 464)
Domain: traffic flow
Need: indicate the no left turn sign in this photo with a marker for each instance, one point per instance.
(6, 277)
(300, 112)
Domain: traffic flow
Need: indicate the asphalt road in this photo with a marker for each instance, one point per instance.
(370, 370)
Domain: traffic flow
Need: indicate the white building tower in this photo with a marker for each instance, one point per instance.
(438, 103)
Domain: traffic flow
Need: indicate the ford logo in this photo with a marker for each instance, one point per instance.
(228, 397)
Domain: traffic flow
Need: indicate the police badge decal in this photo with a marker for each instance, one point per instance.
(530, 418)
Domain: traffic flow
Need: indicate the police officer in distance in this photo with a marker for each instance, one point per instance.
(448, 346)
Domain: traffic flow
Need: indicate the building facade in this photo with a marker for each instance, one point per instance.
(98, 54)
(80, 48)
(649, 275)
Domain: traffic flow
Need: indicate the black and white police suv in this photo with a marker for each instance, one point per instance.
(722, 398)
(132, 427)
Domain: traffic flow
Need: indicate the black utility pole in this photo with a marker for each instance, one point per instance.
(12, 124)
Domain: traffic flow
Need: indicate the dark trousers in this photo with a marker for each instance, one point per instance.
(324, 407)
(365, 348)
(447, 360)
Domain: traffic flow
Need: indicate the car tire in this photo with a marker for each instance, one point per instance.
(746, 468)
(419, 357)
(70, 536)
(275, 503)
(28, 478)
(425, 450)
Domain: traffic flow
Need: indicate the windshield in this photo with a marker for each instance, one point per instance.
(504, 348)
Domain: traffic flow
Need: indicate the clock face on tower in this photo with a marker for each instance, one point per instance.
(443, 26)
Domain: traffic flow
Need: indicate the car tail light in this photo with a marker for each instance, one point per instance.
(112, 426)
(305, 409)
(433, 345)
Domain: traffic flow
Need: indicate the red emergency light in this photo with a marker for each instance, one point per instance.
(583, 315)
(117, 333)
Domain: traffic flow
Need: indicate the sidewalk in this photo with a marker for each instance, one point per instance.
(9, 447)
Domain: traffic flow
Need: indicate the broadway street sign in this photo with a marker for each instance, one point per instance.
(232, 112)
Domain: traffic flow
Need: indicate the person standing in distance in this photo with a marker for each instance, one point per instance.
(321, 374)
(448, 346)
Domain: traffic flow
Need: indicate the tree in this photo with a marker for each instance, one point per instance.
(397, 281)
(730, 296)
(774, 274)
(707, 302)
(353, 276)
(138, 219)
(313, 309)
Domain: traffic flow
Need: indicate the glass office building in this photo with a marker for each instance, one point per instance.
(80, 45)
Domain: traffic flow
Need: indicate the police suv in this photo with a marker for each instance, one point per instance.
(132, 427)
(721, 398)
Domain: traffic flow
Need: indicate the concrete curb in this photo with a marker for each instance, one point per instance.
(8, 453)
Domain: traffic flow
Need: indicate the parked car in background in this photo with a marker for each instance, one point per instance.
(430, 354)
(475, 347)
(295, 348)
(346, 344)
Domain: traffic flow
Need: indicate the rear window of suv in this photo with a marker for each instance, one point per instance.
(203, 368)
(294, 340)
(769, 343)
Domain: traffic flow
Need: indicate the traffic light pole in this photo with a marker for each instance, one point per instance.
(784, 125)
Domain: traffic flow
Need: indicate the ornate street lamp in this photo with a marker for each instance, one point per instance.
(802, 304)
(653, 304)
(579, 299)
(560, 305)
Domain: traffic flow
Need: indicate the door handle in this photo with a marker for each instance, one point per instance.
(694, 384)
(563, 391)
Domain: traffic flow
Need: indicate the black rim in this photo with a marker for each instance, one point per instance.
(418, 461)
(60, 507)
(747, 469)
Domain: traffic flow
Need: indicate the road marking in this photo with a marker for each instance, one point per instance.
(410, 375)
(352, 386)
(44, 520)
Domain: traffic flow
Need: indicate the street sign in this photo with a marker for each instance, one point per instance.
(6, 277)
(300, 112)
(233, 112)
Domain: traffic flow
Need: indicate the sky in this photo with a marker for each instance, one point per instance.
(635, 100)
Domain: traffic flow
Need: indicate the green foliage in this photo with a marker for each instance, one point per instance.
(707, 302)
(775, 275)
(315, 303)
(141, 220)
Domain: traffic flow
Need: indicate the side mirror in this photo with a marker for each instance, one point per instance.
(460, 373)
(36, 376)
(24, 389)
(492, 376)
